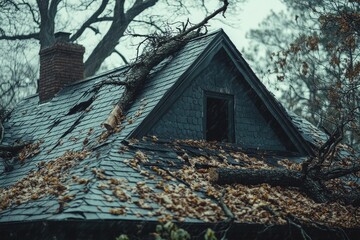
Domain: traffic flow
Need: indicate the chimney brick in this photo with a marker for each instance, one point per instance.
(60, 65)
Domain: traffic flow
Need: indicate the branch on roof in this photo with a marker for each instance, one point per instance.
(275, 177)
(140, 70)
(308, 184)
(337, 172)
(311, 183)
(138, 73)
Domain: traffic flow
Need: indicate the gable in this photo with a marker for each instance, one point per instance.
(253, 126)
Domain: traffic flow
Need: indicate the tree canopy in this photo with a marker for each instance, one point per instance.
(313, 57)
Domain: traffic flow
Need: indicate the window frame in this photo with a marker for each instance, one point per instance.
(231, 110)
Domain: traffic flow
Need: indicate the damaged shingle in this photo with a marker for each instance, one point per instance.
(82, 106)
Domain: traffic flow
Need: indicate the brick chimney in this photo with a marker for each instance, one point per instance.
(60, 65)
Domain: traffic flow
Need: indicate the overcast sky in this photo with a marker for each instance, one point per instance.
(253, 12)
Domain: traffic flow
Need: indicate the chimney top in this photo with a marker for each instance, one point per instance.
(62, 36)
(60, 64)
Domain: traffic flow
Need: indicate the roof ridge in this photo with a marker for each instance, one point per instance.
(208, 34)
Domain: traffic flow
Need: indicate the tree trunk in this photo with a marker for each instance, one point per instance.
(310, 184)
(104, 48)
(274, 177)
(111, 39)
(47, 25)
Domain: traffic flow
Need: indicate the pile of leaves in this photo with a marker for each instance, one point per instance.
(30, 150)
(262, 203)
(48, 179)
(181, 192)
(168, 201)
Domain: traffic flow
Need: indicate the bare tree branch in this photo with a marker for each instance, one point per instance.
(32, 11)
(21, 37)
(121, 56)
(92, 19)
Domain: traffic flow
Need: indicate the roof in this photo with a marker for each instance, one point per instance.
(75, 170)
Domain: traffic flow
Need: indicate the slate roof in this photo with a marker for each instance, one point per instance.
(107, 176)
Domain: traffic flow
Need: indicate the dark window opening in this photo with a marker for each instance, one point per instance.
(219, 118)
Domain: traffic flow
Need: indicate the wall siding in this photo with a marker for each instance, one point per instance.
(184, 119)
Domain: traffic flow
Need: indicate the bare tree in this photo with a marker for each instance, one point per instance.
(111, 19)
(18, 75)
(109, 24)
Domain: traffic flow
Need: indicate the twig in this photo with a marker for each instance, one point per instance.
(204, 21)
(121, 56)
(267, 228)
(228, 213)
(177, 178)
(300, 228)
(110, 82)
(226, 210)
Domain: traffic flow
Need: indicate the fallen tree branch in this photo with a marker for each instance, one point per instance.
(204, 166)
(336, 172)
(140, 70)
(137, 75)
(274, 177)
